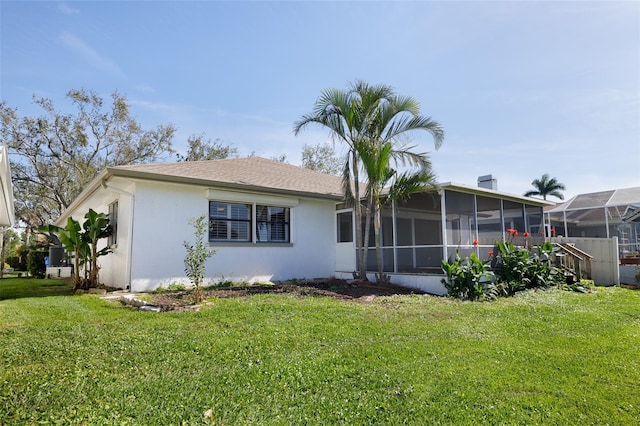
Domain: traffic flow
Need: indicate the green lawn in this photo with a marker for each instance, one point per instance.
(550, 357)
(15, 288)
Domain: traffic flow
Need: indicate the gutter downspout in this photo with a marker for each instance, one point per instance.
(129, 231)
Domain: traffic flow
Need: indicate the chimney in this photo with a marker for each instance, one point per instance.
(488, 182)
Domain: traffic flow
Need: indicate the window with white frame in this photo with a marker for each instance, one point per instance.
(234, 222)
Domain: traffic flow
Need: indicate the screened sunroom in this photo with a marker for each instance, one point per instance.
(419, 233)
(605, 214)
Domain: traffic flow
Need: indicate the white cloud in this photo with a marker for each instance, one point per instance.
(145, 88)
(89, 54)
(67, 9)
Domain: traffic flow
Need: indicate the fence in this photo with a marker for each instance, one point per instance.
(605, 268)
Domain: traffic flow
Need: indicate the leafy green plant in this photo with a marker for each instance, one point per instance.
(467, 278)
(35, 260)
(73, 242)
(196, 257)
(583, 286)
(96, 227)
(82, 241)
(518, 268)
(173, 287)
(539, 269)
(511, 265)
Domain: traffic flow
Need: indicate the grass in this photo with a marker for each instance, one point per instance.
(550, 357)
(15, 288)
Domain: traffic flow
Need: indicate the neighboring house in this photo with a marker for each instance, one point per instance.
(7, 217)
(604, 214)
(274, 221)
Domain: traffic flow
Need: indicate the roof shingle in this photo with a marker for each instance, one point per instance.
(252, 172)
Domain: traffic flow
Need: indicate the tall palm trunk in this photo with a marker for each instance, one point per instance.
(362, 273)
(377, 224)
(365, 244)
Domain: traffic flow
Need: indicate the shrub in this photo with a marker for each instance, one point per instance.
(520, 267)
(35, 262)
(516, 269)
(467, 278)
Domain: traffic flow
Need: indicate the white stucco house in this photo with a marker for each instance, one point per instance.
(270, 221)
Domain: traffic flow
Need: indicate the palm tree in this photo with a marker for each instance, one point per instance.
(546, 186)
(376, 161)
(362, 116)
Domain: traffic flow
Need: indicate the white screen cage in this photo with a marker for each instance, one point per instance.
(605, 214)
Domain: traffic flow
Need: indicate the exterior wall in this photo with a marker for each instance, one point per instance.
(112, 266)
(163, 211)
(115, 271)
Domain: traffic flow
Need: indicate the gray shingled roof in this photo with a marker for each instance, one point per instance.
(253, 172)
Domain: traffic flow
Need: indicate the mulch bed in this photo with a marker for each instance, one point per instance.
(358, 291)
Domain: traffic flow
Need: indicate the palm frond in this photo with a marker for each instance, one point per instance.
(404, 123)
(409, 183)
(347, 182)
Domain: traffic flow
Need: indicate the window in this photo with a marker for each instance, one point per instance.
(229, 222)
(272, 224)
(234, 221)
(113, 221)
(345, 227)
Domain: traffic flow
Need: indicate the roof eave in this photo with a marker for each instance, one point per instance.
(92, 187)
(110, 172)
(495, 194)
(159, 177)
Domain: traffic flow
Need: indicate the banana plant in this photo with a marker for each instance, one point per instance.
(73, 241)
(82, 240)
(96, 226)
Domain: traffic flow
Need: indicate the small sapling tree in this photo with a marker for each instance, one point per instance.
(196, 257)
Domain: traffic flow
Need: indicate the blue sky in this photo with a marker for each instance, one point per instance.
(522, 88)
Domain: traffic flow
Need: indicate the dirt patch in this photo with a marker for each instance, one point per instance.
(357, 291)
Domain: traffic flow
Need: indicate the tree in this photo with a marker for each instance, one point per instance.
(322, 158)
(56, 154)
(377, 162)
(546, 186)
(361, 116)
(9, 249)
(36, 253)
(201, 149)
(279, 158)
(197, 255)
